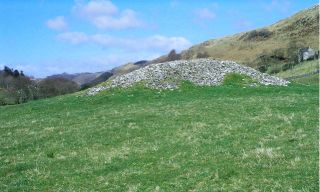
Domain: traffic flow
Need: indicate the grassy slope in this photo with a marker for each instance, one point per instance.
(302, 68)
(314, 79)
(197, 139)
(302, 27)
(306, 67)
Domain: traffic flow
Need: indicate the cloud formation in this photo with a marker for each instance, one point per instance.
(57, 23)
(105, 15)
(152, 43)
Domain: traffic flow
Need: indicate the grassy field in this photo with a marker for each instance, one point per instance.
(227, 138)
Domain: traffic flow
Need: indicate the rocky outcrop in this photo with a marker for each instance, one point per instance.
(202, 72)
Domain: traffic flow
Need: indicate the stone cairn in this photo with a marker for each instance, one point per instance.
(201, 72)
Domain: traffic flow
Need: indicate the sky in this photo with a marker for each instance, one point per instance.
(45, 37)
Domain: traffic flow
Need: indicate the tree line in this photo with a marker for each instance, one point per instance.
(16, 87)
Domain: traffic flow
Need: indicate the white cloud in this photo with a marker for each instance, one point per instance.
(105, 15)
(204, 14)
(57, 23)
(154, 43)
(73, 37)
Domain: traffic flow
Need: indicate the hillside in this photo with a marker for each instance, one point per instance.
(123, 69)
(277, 43)
(306, 72)
(101, 78)
(227, 138)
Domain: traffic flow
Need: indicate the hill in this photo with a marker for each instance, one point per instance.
(225, 138)
(264, 47)
(79, 78)
(101, 78)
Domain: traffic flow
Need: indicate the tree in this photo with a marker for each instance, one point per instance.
(55, 86)
(16, 73)
(7, 70)
(18, 88)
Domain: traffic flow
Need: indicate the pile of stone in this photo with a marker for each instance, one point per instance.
(200, 72)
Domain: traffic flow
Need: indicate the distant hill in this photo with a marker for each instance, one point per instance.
(86, 80)
(79, 78)
(101, 78)
(124, 69)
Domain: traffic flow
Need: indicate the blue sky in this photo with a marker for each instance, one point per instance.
(44, 37)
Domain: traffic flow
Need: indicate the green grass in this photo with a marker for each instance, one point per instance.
(300, 69)
(226, 138)
(313, 79)
(235, 79)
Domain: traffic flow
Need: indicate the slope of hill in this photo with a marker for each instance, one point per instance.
(226, 138)
(101, 78)
(124, 69)
(306, 72)
(277, 43)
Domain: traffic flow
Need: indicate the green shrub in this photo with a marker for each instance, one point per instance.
(257, 35)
